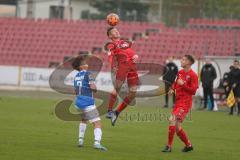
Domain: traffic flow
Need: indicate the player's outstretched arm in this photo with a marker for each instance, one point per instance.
(93, 87)
(171, 92)
(135, 58)
(76, 91)
(92, 82)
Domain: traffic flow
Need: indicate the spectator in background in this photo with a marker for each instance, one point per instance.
(169, 75)
(234, 78)
(208, 75)
(226, 82)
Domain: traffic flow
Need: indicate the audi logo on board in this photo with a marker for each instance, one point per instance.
(30, 76)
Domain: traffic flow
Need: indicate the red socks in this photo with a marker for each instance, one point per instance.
(123, 105)
(183, 136)
(112, 101)
(171, 132)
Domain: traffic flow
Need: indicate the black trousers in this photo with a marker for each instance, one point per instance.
(236, 92)
(208, 92)
(232, 108)
(167, 88)
(226, 92)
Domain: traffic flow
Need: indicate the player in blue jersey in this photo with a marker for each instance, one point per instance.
(84, 87)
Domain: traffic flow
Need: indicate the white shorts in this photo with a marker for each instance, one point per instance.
(90, 114)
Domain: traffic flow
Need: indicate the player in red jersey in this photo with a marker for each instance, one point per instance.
(185, 87)
(123, 62)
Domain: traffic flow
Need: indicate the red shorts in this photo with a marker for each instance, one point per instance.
(129, 72)
(180, 113)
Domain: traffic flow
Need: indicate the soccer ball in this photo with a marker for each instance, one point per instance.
(113, 19)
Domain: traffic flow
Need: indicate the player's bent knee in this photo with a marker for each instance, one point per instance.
(131, 95)
(172, 120)
(83, 121)
(118, 84)
(178, 129)
(133, 89)
(172, 123)
(97, 124)
(178, 126)
(114, 93)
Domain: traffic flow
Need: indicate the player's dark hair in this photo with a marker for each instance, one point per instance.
(77, 62)
(236, 61)
(109, 30)
(190, 58)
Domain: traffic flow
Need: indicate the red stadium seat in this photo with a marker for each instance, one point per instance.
(37, 42)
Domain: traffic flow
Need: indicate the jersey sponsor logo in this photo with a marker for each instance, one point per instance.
(79, 80)
(124, 45)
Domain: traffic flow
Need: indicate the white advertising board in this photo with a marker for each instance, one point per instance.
(9, 75)
(35, 76)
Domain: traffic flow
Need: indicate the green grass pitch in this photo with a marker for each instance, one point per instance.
(29, 130)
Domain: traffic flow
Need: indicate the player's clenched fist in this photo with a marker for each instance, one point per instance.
(180, 82)
(135, 58)
(171, 92)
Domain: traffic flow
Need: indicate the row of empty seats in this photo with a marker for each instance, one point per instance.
(179, 42)
(55, 39)
(213, 23)
(29, 42)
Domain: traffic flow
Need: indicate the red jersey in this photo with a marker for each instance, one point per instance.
(185, 92)
(121, 57)
(122, 54)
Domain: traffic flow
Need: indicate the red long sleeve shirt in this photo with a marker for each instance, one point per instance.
(185, 92)
(122, 53)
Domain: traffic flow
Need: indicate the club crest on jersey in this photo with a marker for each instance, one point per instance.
(124, 45)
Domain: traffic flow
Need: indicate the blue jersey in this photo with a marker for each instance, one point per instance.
(82, 86)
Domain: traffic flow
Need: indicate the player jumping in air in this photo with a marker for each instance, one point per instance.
(84, 87)
(124, 67)
(185, 86)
